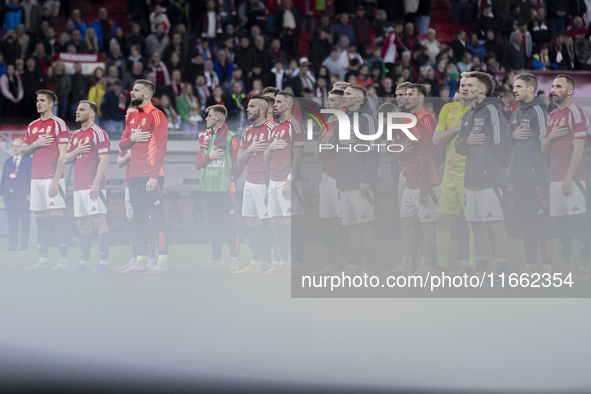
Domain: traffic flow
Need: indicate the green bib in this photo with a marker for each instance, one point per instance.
(217, 176)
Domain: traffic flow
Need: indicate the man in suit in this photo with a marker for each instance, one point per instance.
(15, 187)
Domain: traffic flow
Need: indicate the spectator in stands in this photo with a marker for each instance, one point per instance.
(475, 48)
(76, 42)
(158, 16)
(63, 87)
(134, 38)
(174, 120)
(10, 47)
(559, 54)
(104, 28)
(278, 54)
(515, 53)
(159, 69)
(557, 14)
(51, 44)
(116, 59)
(409, 38)
(380, 25)
(525, 38)
(466, 64)
(236, 105)
(540, 33)
(386, 89)
(46, 15)
(202, 92)
(485, 21)
(12, 16)
(211, 24)
(91, 44)
(113, 109)
(228, 85)
(66, 36)
(118, 38)
(511, 21)
(96, 94)
(304, 79)
(568, 43)
(23, 40)
(189, 109)
(175, 64)
(364, 32)
(245, 55)
(31, 16)
(195, 67)
(13, 92)
(79, 88)
(176, 47)
(176, 86)
(541, 61)
(334, 64)
(263, 57)
(211, 77)
(321, 89)
(279, 77)
(343, 28)
(78, 23)
(582, 49)
(137, 72)
(179, 11)
(32, 80)
(576, 30)
(19, 64)
(135, 57)
(458, 45)
(321, 47)
(228, 47)
(41, 60)
(350, 54)
(112, 75)
(494, 46)
(223, 68)
(157, 41)
(432, 44)
(216, 98)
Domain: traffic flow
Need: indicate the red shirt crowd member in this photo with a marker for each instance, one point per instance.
(146, 134)
(47, 140)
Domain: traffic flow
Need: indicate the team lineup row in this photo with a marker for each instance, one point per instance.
(479, 146)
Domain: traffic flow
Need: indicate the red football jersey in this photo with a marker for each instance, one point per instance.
(147, 157)
(86, 165)
(292, 132)
(329, 163)
(45, 159)
(122, 153)
(562, 148)
(421, 167)
(255, 169)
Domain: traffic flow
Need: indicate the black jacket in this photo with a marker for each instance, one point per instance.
(530, 165)
(356, 167)
(485, 163)
(458, 48)
(515, 57)
(497, 48)
(79, 88)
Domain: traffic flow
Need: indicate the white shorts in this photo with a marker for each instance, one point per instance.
(86, 206)
(285, 206)
(410, 205)
(40, 200)
(573, 204)
(357, 209)
(253, 201)
(484, 205)
(128, 206)
(330, 203)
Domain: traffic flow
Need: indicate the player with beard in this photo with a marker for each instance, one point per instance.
(89, 151)
(285, 154)
(146, 134)
(330, 202)
(356, 180)
(565, 140)
(452, 197)
(531, 172)
(485, 141)
(419, 199)
(218, 161)
(47, 140)
(255, 140)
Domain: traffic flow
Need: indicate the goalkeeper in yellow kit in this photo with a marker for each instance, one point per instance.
(451, 203)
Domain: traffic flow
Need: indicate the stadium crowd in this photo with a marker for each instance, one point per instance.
(201, 53)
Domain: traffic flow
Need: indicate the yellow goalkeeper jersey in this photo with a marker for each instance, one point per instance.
(450, 115)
